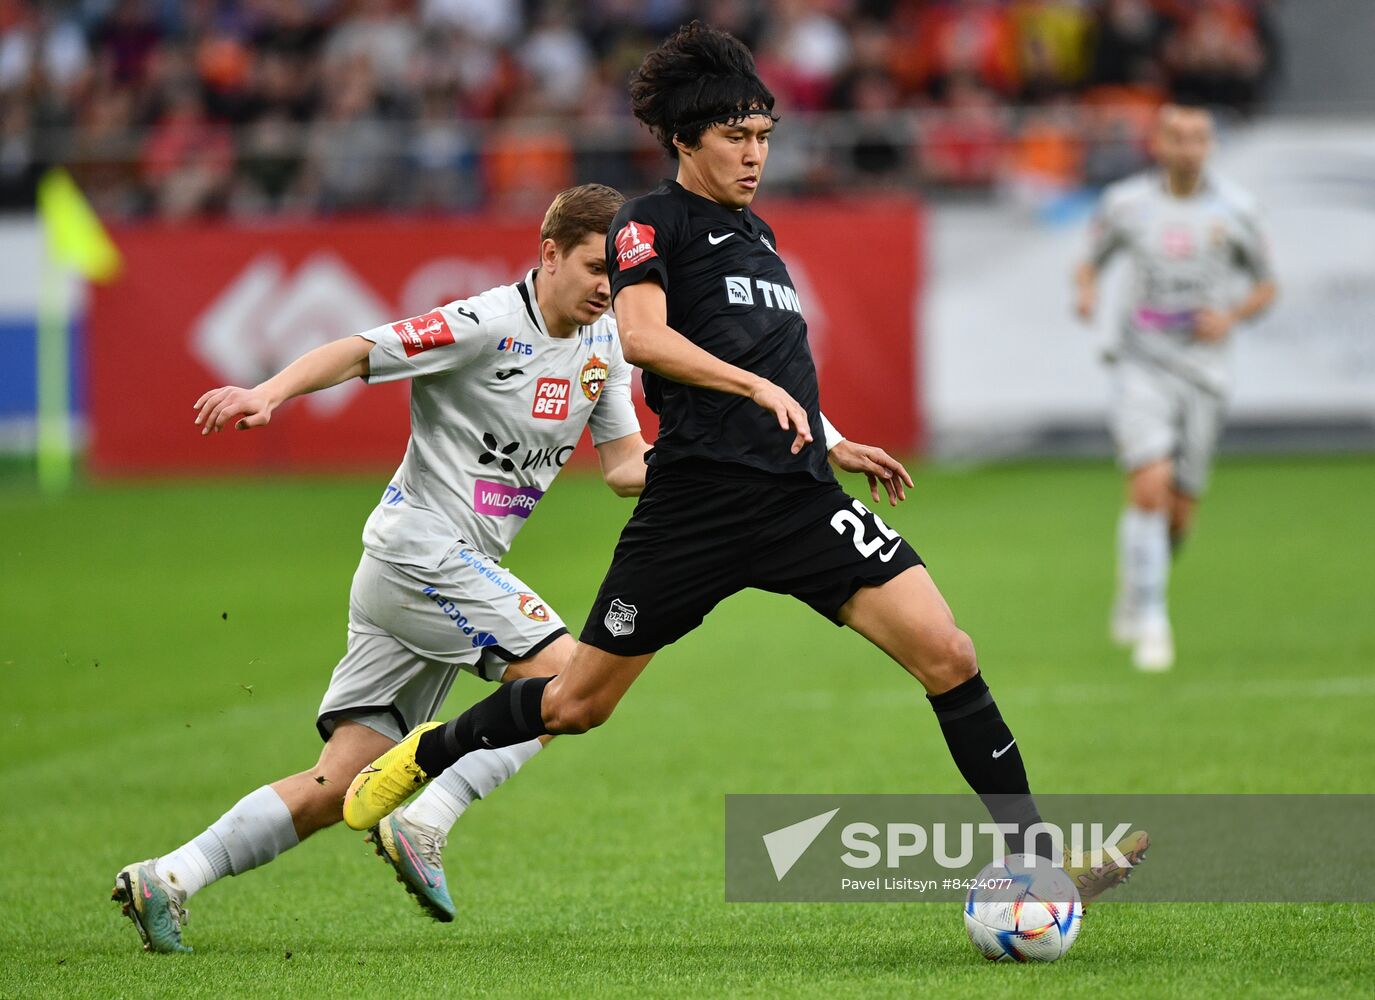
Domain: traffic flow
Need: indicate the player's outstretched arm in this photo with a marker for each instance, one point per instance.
(648, 342)
(623, 464)
(327, 365)
(1085, 291)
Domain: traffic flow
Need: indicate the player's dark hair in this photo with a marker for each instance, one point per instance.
(698, 77)
(578, 213)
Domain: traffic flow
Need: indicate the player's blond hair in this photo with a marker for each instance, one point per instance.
(579, 212)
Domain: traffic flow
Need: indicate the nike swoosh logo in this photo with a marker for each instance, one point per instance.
(416, 862)
(999, 753)
(885, 556)
(714, 239)
(503, 376)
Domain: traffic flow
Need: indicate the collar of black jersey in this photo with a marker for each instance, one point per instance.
(744, 218)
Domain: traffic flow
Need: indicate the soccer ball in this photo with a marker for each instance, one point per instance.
(1022, 910)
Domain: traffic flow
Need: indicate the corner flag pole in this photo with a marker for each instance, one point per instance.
(75, 242)
(54, 375)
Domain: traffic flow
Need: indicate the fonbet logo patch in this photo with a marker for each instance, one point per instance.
(420, 333)
(1177, 241)
(634, 245)
(620, 619)
(593, 377)
(551, 399)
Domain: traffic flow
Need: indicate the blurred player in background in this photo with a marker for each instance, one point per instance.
(739, 494)
(502, 386)
(1189, 235)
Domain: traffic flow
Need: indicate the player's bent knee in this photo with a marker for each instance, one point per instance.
(1150, 486)
(955, 660)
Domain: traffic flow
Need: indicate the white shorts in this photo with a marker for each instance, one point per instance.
(1158, 414)
(411, 630)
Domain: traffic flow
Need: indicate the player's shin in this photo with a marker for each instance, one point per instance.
(507, 716)
(1148, 550)
(475, 776)
(254, 831)
(986, 754)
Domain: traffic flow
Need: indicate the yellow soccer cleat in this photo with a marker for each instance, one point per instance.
(1093, 882)
(387, 782)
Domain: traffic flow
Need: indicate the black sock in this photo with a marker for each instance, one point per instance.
(986, 754)
(511, 714)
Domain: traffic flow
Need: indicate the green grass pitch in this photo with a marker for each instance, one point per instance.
(164, 648)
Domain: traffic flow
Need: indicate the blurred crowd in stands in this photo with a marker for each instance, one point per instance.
(189, 108)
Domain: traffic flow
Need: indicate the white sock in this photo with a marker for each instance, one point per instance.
(1148, 555)
(254, 831)
(475, 776)
(188, 869)
(1125, 524)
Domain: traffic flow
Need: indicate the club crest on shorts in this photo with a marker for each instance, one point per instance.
(533, 608)
(620, 620)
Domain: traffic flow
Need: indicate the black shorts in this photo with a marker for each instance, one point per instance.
(705, 530)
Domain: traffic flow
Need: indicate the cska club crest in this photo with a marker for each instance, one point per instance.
(593, 377)
(533, 608)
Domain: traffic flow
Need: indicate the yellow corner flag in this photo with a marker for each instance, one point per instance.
(74, 234)
(76, 241)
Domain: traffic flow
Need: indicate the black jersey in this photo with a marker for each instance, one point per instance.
(728, 292)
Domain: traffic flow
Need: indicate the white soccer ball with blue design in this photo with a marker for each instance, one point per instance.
(1023, 910)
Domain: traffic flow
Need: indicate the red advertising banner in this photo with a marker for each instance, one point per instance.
(203, 306)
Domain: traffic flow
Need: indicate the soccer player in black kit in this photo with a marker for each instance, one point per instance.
(739, 493)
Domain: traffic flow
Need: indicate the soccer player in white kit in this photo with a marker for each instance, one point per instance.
(1191, 238)
(502, 385)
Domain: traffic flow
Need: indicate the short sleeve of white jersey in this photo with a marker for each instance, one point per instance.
(1107, 232)
(614, 415)
(442, 340)
(1251, 248)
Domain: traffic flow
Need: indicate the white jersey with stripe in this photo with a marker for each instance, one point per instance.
(1186, 254)
(497, 406)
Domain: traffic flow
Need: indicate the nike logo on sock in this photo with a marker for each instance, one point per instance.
(999, 753)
